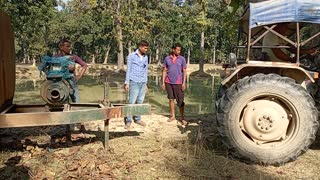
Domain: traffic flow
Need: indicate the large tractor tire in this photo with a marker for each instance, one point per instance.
(267, 119)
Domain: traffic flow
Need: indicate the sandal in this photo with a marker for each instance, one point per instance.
(183, 122)
(171, 119)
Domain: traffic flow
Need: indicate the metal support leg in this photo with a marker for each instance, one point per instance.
(68, 132)
(68, 127)
(106, 134)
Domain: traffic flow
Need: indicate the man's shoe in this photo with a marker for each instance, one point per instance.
(141, 123)
(183, 122)
(127, 125)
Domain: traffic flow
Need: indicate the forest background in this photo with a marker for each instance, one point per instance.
(106, 31)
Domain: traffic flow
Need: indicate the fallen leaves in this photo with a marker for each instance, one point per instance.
(72, 151)
(104, 168)
(35, 150)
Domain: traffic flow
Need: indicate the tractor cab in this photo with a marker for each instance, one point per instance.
(268, 27)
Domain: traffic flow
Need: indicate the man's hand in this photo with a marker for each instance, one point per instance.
(71, 68)
(163, 86)
(78, 77)
(126, 87)
(183, 86)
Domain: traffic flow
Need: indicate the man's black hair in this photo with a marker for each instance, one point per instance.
(143, 43)
(176, 45)
(63, 40)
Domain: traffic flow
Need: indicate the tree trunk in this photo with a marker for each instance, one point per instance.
(120, 48)
(106, 58)
(189, 53)
(188, 82)
(150, 57)
(25, 52)
(28, 59)
(119, 37)
(157, 79)
(93, 59)
(129, 47)
(201, 63)
(25, 56)
(157, 56)
(33, 61)
(214, 55)
(212, 85)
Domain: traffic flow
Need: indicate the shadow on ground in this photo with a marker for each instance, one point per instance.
(316, 144)
(52, 137)
(12, 169)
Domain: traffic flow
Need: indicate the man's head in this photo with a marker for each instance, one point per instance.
(176, 49)
(143, 47)
(64, 46)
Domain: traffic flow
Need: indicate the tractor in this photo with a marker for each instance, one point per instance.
(266, 110)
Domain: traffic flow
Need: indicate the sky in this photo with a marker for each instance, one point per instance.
(59, 8)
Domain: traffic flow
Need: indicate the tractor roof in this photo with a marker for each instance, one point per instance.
(260, 13)
(279, 11)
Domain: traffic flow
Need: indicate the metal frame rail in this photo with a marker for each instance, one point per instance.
(38, 115)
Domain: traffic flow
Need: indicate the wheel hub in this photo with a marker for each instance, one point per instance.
(265, 121)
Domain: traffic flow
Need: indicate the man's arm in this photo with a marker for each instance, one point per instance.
(147, 65)
(83, 67)
(127, 80)
(128, 70)
(184, 79)
(303, 51)
(146, 71)
(82, 71)
(281, 55)
(285, 57)
(184, 71)
(164, 74)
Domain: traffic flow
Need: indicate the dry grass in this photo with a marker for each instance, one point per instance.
(159, 151)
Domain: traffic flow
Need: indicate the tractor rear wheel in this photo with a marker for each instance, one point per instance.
(267, 119)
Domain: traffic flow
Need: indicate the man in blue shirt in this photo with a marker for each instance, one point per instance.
(136, 79)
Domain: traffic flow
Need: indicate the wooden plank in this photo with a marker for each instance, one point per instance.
(7, 61)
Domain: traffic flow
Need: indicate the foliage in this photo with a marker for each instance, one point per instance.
(93, 26)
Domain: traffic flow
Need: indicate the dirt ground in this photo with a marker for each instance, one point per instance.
(161, 150)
